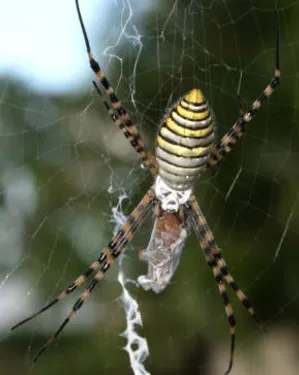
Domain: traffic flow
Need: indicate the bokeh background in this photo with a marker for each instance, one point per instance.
(67, 177)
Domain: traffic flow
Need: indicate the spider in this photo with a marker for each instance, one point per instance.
(185, 148)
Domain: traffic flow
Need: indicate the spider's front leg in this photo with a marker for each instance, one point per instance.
(107, 257)
(219, 268)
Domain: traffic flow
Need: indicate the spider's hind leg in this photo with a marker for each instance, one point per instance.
(116, 111)
(237, 130)
(132, 134)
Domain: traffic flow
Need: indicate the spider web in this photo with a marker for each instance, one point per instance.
(68, 178)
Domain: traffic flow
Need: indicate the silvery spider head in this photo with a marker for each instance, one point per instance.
(170, 199)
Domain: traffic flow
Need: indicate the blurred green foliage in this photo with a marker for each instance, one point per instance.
(206, 44)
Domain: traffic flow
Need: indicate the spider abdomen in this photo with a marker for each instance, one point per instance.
(184, 141)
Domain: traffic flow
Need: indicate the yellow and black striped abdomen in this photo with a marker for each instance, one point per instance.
(184, 141)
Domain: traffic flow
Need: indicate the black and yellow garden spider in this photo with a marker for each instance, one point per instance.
(185, 148)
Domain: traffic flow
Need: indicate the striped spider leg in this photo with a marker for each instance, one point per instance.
(185, 148)
(237, 130)
(115, 247)
(220, 270)
(117, 113)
